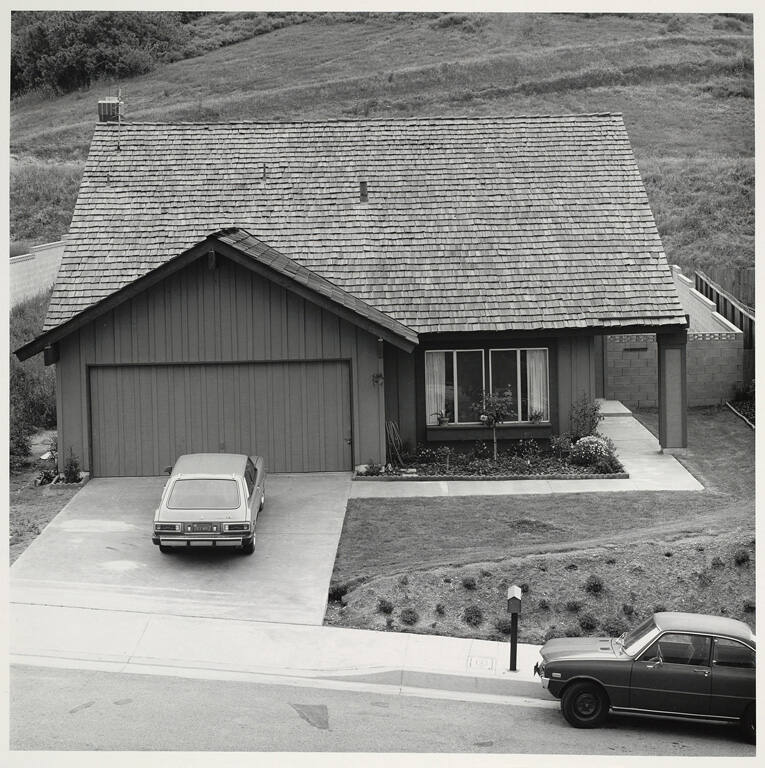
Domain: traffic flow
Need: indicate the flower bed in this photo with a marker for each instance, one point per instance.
(592, 458)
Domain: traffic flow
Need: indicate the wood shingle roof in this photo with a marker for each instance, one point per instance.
(470, 223)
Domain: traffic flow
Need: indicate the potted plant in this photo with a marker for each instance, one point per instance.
(442, 418)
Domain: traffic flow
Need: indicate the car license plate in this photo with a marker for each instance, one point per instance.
(201, 527)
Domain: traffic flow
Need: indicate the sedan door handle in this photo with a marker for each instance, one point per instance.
(704, 672)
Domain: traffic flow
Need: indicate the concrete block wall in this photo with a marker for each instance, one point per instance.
(714, 367)
(34, 272)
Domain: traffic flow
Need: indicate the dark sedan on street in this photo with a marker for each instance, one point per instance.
(673, 664)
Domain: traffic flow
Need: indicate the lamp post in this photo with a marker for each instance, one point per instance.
(514, 608)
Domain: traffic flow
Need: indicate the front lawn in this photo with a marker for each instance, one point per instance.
(416, 552)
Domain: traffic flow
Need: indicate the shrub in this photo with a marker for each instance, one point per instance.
(384, 606)
(588, 622)
(589, 451)
(473, 616)
(31, 384)
(469, 582)
(668, 553)
(544, 604)
(741, 557)
(608, 466)
(373, 470)
(525, 588)
(614, 627)
(552, 632)
(529, 449)
(628, 609)
(337, 592)
(749, 606)
(610, 561)
(593, 585)
(403, 580)
(572, 632)
(504, 625)
(705, 579)
(440, 609)
(409, 617)
(659, 608)
(560, 445)
(571, 567)
(72, 468)
(584, 415)
(486, 573)
(717, 562)
(573, 605)
(481, 450)
(389, 622)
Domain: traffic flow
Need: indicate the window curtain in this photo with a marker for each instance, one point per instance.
(536, 379)
(435, 384)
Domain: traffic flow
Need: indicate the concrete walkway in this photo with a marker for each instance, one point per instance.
(227, 649)
(638, 450)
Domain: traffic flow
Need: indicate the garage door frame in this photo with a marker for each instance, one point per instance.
(180, 363)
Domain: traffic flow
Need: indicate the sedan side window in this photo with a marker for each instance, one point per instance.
(676, 648)
(729, 653)
(249, 478)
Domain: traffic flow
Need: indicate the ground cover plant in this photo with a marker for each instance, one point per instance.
(744, 402)
(684, 84)
(591, 563)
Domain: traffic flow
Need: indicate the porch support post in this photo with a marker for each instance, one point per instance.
(673, 399)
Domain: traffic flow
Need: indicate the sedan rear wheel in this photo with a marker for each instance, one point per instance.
(749, 724)
(585, 705)
(248, 547)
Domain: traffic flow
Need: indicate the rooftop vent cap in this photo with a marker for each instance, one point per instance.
(109, 109)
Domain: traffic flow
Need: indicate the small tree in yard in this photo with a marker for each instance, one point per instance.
(495, 408)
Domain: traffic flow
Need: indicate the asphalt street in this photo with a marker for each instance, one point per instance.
(64, 709)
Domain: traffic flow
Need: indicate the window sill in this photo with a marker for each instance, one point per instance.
(514, 431)
(480, 425)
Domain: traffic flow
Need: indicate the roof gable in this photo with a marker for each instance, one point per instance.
(470, 224)
(253, 254)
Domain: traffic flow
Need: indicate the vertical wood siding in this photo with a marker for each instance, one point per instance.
(576, 374)
(225, 315)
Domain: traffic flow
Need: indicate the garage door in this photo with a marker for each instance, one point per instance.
(295, 414)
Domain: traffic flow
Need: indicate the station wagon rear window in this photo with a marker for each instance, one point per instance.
(204, 493)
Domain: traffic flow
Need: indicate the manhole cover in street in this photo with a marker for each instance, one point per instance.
(481, 662)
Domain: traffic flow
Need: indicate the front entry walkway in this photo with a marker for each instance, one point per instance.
(638, 450)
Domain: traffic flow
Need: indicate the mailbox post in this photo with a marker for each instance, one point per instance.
(513, 608)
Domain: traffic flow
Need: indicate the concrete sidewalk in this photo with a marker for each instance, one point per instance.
(141, 643)
(638, 450)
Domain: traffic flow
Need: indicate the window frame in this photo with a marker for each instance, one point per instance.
(518, 387)
(454, 352)
(717, 638)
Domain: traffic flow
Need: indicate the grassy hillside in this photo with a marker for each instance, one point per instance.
(683, 83)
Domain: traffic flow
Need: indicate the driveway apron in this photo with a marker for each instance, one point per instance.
(97, 553)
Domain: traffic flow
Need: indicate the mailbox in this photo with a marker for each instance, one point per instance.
(514, 599)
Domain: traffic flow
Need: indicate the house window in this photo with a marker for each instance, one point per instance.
(454, 381)
(526, 372)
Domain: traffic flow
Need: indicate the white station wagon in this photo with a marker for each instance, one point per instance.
(211, 500)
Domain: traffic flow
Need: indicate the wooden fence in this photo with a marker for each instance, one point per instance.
(733, 310)
(739, 282)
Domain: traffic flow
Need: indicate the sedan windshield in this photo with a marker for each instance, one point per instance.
(204, 493)
(635, 640)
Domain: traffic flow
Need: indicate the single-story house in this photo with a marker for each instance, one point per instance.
(288, 288)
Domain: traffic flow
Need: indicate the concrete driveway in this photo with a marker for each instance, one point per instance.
(97, 553)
